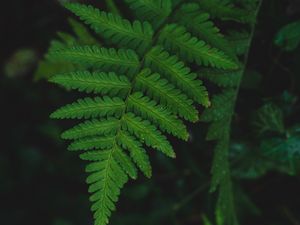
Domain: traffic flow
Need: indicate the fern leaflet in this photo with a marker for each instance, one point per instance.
(113, 28)
(154, 11)
(176, 38)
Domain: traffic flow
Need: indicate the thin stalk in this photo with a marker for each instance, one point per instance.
(226, 181)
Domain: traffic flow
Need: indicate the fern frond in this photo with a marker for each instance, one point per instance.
(201, 25)
(220, 130)
(92, 143)
(121, 61)
(222, 106)
(106, 179)
(158, 114)
(125, 162)
(165, 93)
(173, 69)
(48, 67)
(148, 134)
(96, 82)
(90, 108)
(137, 153)
(221, 177)
(225, 10)
(219, 116)
(154, 11)
(176, 38)
(137, 36)
(217, 129)
(92, 127)
(94, 156)
(84, 36)
(222, 78)
(143, 89)
(222, 110)
(239, 40)
(67, 39)
(218, 163)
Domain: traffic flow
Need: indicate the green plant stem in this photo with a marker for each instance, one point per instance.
(226, 184)
(245, 61)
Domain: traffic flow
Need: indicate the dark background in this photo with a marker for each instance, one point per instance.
(42, 183)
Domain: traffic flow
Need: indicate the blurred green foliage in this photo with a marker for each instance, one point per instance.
(288, 37)
(82, 36)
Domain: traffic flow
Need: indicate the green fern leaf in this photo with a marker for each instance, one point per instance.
(200, 25)
(137, 153)
(141, 97)
(222, 106)
(148, 134)
(125, 162)
(93, 127)
(113, 28)
(239, 41)
(217, 129)
(222, 78)
(173, 69)
(121, 61)
(94, 156)
(83, 35)
(47, 67)
(154, 11)
(67, 39)
(165, 93)
(222, 110)
(160, 115)
(97, 82)
(218, 164)
(225, 209)
(106, 179)
(92, 143)
(225, 10)
(90, 108)
(176, 38)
